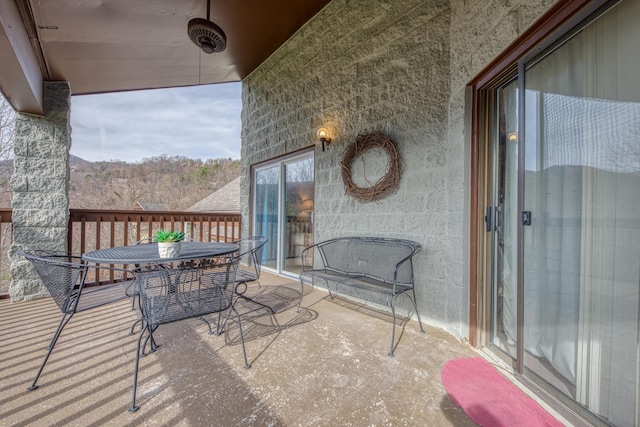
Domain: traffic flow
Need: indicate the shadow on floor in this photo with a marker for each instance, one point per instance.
(323, 366)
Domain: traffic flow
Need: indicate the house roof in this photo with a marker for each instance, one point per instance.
(118, 45)
(226, 199)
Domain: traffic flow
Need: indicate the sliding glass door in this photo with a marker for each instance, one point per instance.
(582, 185)
(283, 203)
(566, 218)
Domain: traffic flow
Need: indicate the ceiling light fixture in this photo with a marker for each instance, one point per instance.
(206, 35)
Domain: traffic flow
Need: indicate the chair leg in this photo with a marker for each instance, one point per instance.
(63, 322)
(133, 407)
(228, 312)
(153, 346)
(141, 321)
(133, 307)
(415, 307)
(224, 324)
(143, 325)
(393, 331)
(218, 330)
(209, 324)
(244, 351)
(301, 295)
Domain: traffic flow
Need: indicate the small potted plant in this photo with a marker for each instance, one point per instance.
(169, 243)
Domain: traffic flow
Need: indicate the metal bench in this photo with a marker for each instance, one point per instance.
(370, 268)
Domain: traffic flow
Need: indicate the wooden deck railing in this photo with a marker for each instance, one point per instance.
(91, 229)
(97, 229)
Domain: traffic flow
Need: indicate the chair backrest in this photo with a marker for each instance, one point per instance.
(145, 241)
(250, 252)
(384, 259)
(187, 290)
(62, 274)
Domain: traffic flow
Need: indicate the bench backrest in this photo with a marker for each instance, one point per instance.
(374, 257)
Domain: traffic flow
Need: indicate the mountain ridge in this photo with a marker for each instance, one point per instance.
(175, 182)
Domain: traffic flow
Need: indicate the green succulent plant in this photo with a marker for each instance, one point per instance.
(164, 236)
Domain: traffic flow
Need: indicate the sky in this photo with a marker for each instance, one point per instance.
(199, 122)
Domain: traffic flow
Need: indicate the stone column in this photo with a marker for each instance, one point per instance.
(40, 185)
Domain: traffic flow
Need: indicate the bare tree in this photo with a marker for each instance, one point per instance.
(7, 126)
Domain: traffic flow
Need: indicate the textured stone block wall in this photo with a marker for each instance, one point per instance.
(399, 67)
(363, 66)
(40, 187)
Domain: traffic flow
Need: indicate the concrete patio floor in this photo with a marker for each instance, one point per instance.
(324, 366)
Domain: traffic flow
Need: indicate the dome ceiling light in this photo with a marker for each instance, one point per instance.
(206, 35)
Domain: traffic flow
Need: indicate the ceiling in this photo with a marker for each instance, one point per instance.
(116, 45)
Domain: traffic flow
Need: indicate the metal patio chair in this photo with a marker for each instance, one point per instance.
(187, 290)
(250, 254)
(64, 277)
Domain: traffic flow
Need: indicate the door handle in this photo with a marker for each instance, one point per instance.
(487, 218)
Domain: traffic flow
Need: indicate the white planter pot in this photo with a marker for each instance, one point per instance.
(169, 250)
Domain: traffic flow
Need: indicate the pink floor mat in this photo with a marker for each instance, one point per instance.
(490, 399)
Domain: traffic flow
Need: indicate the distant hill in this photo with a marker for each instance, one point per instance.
(75, 162)
(6, 166)
(174, 182)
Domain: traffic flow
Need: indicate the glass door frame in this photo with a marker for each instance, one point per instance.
(495, 212)
(281, 162)
(558, 24)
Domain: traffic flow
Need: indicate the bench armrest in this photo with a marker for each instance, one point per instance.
(408, 258)
(311, 249)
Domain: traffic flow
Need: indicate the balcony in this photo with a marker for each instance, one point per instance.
(326, 365)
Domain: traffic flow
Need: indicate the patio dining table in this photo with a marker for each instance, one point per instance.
(148, 254)
(175, 288)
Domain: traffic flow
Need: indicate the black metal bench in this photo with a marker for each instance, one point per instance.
(370, 268)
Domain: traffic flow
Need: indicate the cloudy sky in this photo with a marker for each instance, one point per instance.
(199, 122)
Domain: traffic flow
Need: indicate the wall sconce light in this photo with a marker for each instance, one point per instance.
(512, 136)
(323, 135)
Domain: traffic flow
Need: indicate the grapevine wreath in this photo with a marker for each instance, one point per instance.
(387, 183)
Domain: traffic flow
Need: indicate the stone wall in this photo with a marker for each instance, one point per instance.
(398, 67)
(40, 187)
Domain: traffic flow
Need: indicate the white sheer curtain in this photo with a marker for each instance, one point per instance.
(507, 215)
(582, 252)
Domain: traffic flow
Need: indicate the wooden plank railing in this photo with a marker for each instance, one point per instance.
(97, 229)
(91, 229)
